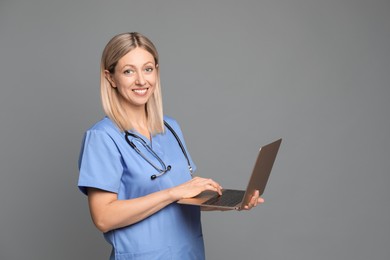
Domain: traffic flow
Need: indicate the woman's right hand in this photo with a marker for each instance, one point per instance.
(193, 187)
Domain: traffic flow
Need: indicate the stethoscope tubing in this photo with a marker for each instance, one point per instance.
(147, 147)
(164, 168)
(180, 144)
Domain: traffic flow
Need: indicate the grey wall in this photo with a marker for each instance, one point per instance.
(235, 74)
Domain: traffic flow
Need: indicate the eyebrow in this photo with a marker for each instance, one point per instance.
(131, 65)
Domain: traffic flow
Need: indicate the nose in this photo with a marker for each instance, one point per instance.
(140, 79)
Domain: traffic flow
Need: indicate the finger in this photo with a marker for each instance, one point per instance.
(253, 202)
(213, 188)
(258, 201)
(215, 185)
(249, 205)
(255, 198)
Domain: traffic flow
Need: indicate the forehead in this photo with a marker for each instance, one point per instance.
(136, 57)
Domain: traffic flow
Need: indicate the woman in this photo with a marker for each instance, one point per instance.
(134, 164)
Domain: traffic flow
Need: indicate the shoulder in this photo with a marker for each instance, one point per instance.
(105, 126)
(103, 131)
(172, 123)
(170, 120)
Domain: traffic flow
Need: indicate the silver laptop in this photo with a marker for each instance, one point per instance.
(237, 199)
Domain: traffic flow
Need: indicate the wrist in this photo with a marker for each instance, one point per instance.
(172, 193)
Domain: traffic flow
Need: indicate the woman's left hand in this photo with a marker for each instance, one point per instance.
(255, 200)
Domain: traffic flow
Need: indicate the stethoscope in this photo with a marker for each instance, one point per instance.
(164, 168)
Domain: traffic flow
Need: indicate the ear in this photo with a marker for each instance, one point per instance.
(109, 78)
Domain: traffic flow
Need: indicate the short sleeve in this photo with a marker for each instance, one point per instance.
(100, 163)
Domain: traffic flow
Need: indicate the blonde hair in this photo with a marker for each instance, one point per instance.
(115, 49)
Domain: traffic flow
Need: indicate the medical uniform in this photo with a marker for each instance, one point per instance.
(107, 162)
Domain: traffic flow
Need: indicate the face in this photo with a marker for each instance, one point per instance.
(134, 78)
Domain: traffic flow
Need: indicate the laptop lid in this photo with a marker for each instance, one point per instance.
(262, 170)
(258, 180)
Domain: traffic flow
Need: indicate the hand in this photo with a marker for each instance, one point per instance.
(193, 187)
(255, 200)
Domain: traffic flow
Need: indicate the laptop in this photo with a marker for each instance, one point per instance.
(237, 199)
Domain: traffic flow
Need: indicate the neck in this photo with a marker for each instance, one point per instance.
(138, 118)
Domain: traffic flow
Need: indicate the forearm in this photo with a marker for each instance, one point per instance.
(111, 213)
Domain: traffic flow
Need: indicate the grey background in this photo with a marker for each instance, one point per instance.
(235, 74)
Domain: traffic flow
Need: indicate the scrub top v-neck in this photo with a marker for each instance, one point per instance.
(107, 162)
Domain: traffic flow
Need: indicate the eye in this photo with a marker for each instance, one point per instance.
(128, 72)
(149, 69)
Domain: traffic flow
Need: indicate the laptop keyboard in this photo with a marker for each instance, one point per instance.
(229, 198)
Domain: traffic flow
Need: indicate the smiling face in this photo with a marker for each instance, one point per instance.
(134, 78)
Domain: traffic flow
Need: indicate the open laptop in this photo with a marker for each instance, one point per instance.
(237, 199)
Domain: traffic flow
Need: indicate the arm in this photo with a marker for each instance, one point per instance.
(110, 213)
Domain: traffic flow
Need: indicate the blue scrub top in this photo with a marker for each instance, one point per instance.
(107, 162)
